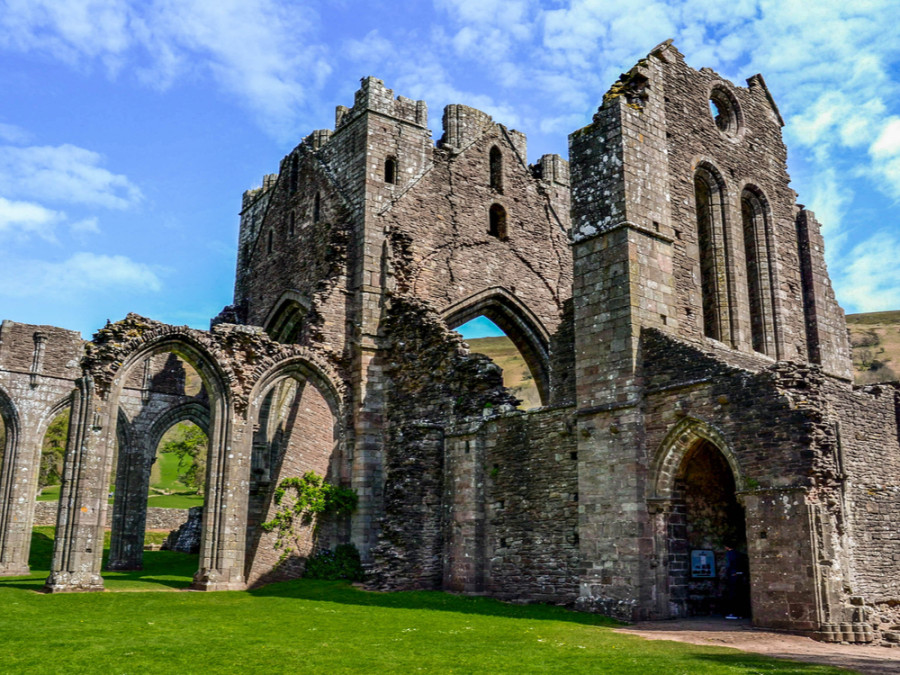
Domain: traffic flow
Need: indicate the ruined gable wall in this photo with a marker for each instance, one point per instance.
(314, 259)
(754, 155)
(442, 251)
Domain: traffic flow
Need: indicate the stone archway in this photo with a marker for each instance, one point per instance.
(519, 324)
(696, 513)
(15, 538)
(296, 412)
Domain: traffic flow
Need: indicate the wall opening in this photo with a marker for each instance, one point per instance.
(178, 474)
(497, 222)
(317, 208)
(294, 178)
(724, 110)
(390, 171)
(712, 240)
(160, 460)
(706, 518)
(496, 166)
(487, 338)
(53, 452)
(760, 282)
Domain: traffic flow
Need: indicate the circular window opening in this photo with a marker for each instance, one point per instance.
(724, 111)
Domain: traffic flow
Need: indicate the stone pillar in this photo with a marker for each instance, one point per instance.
(129, 518)
(464, 543)
(78, 547)
(18, 484)
(623, 283)
(223, 539)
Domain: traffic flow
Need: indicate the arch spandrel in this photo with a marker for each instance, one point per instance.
(678, 442)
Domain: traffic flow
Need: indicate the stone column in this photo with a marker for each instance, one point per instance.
(224, 535)
(78, 547)
(18, 483)
(129, 520)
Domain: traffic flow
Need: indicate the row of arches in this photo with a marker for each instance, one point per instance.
(304, 430)
(718, 273)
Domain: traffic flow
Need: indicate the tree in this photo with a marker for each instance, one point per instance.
(188, 443)
(53, 451)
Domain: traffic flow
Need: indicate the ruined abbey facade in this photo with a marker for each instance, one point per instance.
(671, 301)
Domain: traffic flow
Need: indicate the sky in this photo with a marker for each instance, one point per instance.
(129, 130)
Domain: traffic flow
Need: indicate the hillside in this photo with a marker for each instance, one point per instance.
(875, 339)
(516, 375)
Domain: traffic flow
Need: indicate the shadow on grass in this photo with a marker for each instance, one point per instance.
(161, 568)
(343, 593)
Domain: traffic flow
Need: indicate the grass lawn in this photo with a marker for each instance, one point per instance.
(317, 626)
(49, 494)
(180, 500)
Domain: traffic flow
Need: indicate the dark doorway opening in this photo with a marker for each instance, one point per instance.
(706, 520)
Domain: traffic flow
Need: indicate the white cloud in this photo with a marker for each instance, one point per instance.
(258, 51)
(868, 280)
(64, 173)
(13, 134)
(82, 273)
(25, 218)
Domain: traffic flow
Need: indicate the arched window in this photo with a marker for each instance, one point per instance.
(291, 224)
(294, 177)
(390, 171)
(496, 159)
(760, 281)
(317, 208)
(270, 244)
(712, 239)
(497, 226)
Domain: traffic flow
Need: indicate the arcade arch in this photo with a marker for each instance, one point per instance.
(517, 322)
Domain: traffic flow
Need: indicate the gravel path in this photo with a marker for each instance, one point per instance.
(741, 635)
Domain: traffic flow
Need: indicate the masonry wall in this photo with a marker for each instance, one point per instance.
(511, 507)
(309, 446)
(867, 423)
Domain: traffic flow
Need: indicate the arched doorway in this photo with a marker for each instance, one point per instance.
(706, 521)
(700, 519)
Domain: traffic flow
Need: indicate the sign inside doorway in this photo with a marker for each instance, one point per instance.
(703, 563)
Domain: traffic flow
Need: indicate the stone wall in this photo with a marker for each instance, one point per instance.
(511, 507)
(157, 518)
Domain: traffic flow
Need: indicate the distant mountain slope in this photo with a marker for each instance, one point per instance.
(875, 339)
(516, 375)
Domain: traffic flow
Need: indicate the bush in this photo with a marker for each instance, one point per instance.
(341, 563)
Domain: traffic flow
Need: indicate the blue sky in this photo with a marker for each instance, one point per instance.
(129, 130)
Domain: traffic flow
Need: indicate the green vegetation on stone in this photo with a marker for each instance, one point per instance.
(321, 626)
(187, 443)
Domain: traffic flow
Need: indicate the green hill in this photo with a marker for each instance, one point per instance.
(875, 341)
(516, 375)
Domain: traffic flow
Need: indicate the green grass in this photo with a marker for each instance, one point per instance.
(875, 318)
(181, 500)
(164, 473)
(49, 493)
(320, 626)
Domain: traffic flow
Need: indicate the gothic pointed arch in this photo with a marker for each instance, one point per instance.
(519, 323)
(680, 439)
(191, 411)
(716, 275)
(758, 247)
(284, 322)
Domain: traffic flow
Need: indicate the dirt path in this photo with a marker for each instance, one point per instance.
(741, 635)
